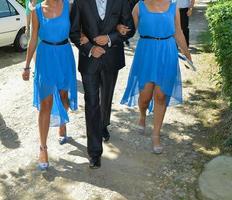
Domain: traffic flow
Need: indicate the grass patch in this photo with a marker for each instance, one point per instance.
(222, 134)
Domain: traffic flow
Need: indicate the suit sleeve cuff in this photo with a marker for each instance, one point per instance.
(109, 43)
(90, 52)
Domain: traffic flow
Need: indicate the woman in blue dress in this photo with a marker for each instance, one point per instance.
(55, 85)
(155, 74)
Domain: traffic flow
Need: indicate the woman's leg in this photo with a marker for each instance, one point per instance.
(159, 112)
(44, 121)
(64, 99)
(145, 97)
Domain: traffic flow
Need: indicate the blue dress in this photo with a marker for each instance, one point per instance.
(55, 68)
(155, 61)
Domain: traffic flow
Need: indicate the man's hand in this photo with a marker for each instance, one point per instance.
(102, 40)
(189, 12)
(97, 52)
(122, 29)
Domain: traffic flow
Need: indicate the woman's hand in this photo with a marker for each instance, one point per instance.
(84, 39)
(122, 29)
(189, 12)
(26, 74)
(188, 55)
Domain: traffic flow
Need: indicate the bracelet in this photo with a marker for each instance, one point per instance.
(26, 68)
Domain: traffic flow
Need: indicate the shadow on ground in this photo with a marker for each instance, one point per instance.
(212, 114)
(9, 57)
(8, 137)
(188, 146)
(118, 173)
(65, 178)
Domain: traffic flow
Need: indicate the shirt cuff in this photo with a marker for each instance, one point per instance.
(109, 43)
(90, 52)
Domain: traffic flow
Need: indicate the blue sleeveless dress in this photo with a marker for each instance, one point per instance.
(55, 68)
(155, 61)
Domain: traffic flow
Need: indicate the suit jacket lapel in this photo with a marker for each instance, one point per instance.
(109, 6)
(94, 8)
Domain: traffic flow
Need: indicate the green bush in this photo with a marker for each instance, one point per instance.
(205, 41)
(219, 16)
(22, 2)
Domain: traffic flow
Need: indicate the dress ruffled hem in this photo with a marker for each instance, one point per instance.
(132, 99)
(59, 115)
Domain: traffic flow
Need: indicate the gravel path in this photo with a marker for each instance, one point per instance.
(129, 170)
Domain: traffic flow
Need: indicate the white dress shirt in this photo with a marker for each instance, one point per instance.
(101, 7)
(183, 3)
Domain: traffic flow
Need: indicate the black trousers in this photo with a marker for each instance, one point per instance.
(99, 90)
(185, 23)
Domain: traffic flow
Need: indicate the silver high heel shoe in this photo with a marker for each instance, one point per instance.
(63, 139)
(141, 129)
(43, 165)
(157, 149)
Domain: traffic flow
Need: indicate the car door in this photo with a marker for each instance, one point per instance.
(9, 23)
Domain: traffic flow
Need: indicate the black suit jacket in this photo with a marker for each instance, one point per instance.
(85, 18)
(133, 3)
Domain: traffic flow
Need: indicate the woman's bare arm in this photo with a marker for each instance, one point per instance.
(180, 39)
(135, 14)
(33, 40)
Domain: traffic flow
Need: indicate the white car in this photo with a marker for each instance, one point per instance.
(12, 25)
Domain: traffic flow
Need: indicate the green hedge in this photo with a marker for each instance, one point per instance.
(219, 16)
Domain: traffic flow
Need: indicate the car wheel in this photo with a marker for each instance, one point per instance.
(21, 41)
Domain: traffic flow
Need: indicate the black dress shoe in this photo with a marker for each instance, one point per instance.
(95, 163)
(106, 135)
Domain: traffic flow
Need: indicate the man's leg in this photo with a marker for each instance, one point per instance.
(185, 23)
(108, 81)
(91, 83)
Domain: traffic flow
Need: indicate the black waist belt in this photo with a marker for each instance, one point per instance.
(155, 38)
(56, 43)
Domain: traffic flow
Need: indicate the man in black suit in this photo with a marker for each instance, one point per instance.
(132, 3)
(99, 62)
